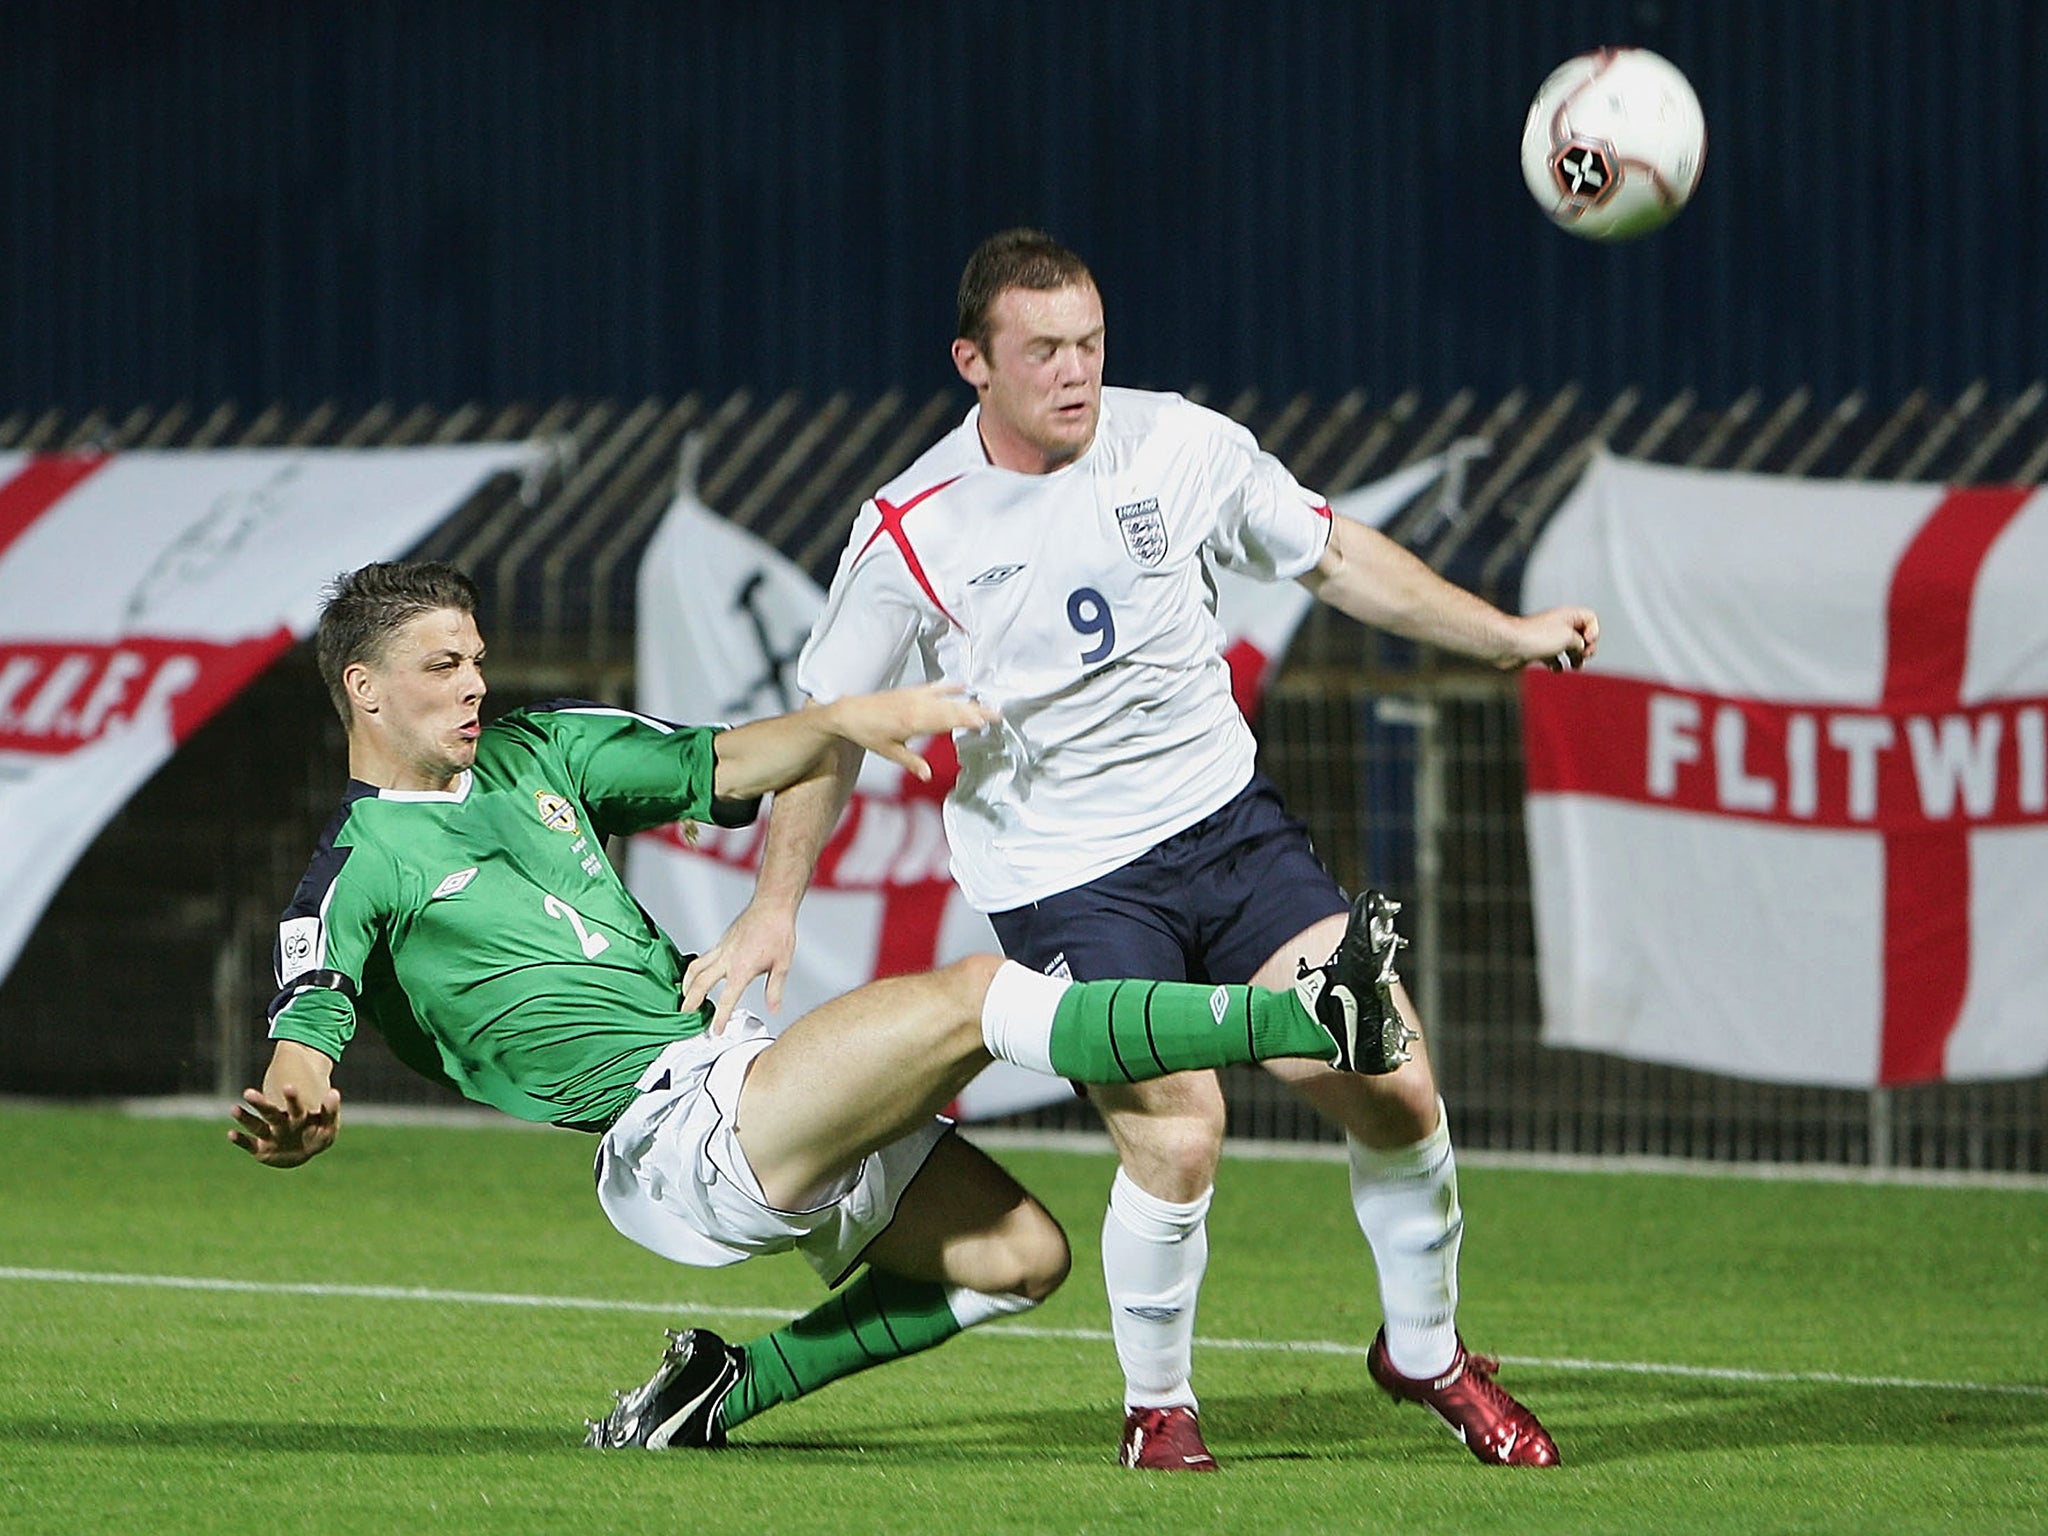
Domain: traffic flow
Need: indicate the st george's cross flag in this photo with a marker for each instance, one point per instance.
(1792, 823)
(140, 591)
(722, 617)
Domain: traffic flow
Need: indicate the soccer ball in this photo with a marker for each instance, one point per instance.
(1614, 143)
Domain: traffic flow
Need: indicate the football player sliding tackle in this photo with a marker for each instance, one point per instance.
(460, 902)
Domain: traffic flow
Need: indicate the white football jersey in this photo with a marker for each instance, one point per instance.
(1079, 604)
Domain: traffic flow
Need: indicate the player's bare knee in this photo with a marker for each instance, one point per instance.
(1391, 1111)
(946, 1003)
(972, 976)
(1174, 1156)
(1194, 1149)
(1037, 1249)
(967, 983)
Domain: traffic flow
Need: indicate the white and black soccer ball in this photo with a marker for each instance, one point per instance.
(1614, 143)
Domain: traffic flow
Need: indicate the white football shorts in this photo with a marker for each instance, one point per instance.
(671, 1175)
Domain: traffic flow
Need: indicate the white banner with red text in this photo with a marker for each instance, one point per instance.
(722, 618)
(140, 591)
(1792, 823)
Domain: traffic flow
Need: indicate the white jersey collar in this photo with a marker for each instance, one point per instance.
(453, 796)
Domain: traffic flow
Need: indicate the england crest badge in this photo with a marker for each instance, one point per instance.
(1144, 531)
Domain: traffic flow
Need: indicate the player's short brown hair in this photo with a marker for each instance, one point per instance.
(1015, 258)
(362, 609)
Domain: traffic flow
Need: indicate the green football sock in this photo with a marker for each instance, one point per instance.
(1126, 1031)
(876, 1318)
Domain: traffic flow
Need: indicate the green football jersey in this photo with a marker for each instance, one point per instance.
(482, 930)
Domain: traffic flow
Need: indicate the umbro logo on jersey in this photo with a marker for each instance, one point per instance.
(1219, 1003)
(995, 576)
(555, 811)
(453, 883)
(1144, 529)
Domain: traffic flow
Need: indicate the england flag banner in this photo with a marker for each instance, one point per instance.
(1792, 824)
(139, 592)
(722, 618)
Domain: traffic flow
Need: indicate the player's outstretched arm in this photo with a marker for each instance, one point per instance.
(777, 754)
(295, 1115)
(762, 939)
(1367, 575)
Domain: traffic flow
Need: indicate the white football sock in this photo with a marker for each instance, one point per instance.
(1017, 1013)
(972, 1308)
(1407, 1204)
(1154, 1253)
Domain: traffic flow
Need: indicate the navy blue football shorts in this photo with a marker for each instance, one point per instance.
(1212, 903)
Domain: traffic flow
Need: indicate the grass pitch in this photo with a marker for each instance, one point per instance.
(407, 1335)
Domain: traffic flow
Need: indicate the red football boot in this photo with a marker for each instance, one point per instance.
(1495, 1428)
(1165, 1440)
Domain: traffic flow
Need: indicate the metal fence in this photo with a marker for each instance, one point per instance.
(1406, 765)
(1448, 834)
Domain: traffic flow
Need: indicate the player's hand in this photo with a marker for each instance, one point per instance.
(761, 941)
(884, 722)
(1557, 637)
(286, 1134)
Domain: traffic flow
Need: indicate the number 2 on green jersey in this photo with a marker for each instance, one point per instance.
(594, 944)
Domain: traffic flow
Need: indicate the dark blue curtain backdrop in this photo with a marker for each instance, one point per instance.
(449, 199)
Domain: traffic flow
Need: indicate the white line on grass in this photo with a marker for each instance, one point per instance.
(1237, 1148)
(1016, 1330)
